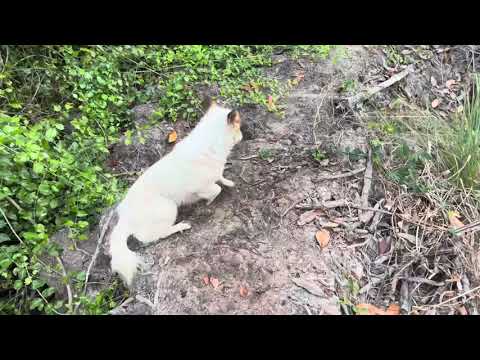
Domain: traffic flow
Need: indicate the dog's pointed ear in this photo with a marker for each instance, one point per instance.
(208, 103)
(233, 119)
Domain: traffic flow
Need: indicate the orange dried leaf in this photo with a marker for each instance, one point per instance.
(435, 103)
(323, 238)
(450, 83)
(393, 309)
(214, 282)
(368, 309)
(206, 280)
(270, 100)
(172, 137)
(298, 78)
(454, 221)
(243, 291)
(462, 311)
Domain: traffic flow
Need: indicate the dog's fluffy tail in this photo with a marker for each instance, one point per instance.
(124, 261)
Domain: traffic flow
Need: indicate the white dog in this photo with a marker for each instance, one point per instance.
(187, 174)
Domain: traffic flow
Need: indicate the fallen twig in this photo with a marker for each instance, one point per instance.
(121, 306)
(157, 293)
(309, 286)
(67, 283)
(10, 226)
(97, 250)
(344, 203)
(247, 157)
(366, 216)
(291, 207)
(13, 202)
(457, 297)
(95, 254)
(360, 244)
(360, 97)
(324, 205)
(145, 301)
(247, 182)
(126, 173)
(474, 226)
(425, 281)
(339, 176)
(377, 217)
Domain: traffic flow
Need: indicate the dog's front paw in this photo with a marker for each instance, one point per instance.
(184, 226)
(228, 183)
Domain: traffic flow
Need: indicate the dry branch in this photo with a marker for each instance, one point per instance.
(360, 97)
(366, 216)
(340, 176)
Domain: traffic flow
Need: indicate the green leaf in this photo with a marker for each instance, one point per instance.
(18, 284)
(15, 105)
(44, 189)
(57, 108)
(38, 168)
(5, 263)
(50, 134)
(40, 228)
(28, 280)
(4, 237)
(81, 213)
(81, 276)
(58, 304)
(37, 284)
(59, 126)
(48, 292)
(36, 303)
(53, 251)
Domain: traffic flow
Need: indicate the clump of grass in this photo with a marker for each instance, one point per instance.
(265, 154)
(462, 145)
(412, 150)
(319, 155)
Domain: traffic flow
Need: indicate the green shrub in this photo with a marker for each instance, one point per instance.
(62, 107)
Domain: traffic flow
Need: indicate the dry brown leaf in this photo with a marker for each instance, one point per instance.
(369, 309)
(383, 246)
(462, 311)
(215, 283)
(206, 280)
(298, 78)
(450, 83)
(454, 221)
(308, 216)
(172, 137)
(435, 103)
(323, 238)
(393, 309)
(243, 291)
(270, 102)
(247, 88)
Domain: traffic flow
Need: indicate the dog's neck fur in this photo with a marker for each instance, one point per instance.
(212, 137)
